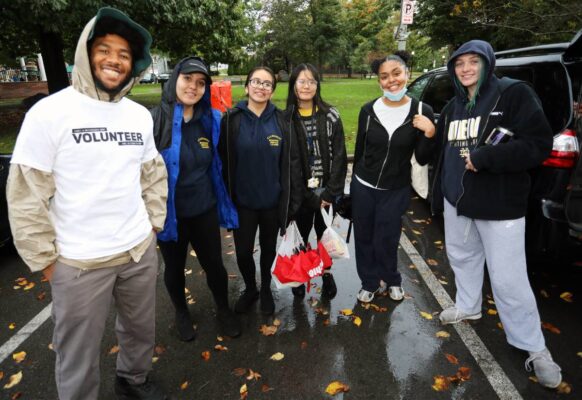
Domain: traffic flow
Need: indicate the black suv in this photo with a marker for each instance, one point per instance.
(554, 219)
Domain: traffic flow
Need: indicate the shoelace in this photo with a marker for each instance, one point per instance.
(534, 357)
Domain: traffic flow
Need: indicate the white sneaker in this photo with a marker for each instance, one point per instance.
(452, 315)
(546, 370)
(396, 293)
(364, 296)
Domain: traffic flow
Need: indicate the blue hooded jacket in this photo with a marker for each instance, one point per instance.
(168, 140)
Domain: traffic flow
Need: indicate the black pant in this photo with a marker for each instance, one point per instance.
(203, 234)
(244, 240)
(307, 218)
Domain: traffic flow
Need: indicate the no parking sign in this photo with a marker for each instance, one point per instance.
(407, 12)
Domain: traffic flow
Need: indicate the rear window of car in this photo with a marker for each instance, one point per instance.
(439, 92)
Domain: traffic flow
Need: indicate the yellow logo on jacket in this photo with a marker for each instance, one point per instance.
(274, 140)
(204, 143)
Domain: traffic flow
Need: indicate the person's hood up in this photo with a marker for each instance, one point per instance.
(169, 92)
(479, 47)
(82, 76)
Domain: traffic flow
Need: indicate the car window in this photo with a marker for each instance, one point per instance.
(575, 72)
(551, 84)
(416, 88)
(439, 92)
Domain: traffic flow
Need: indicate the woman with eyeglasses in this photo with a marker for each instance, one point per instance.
(186, 132)
(320, 135)
(261, 171)
(390, 129)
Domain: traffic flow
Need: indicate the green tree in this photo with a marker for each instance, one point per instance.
(324, 31)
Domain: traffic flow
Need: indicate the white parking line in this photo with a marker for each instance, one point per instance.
(492, 370)
(12, 344)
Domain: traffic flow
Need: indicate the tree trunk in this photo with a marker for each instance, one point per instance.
(51, 48)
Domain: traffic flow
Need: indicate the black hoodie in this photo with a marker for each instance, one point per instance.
(500, 188)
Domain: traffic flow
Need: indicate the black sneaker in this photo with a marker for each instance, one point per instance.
(246, 300)
(185, 327)
(146, 391)
(298, 291)
(267, 302)
(228, 324)
(329, 288)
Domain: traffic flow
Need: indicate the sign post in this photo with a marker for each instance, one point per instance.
(406, 17)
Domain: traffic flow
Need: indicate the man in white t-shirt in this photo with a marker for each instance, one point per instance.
(86, 192)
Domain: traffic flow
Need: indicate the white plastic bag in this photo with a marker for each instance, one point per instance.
(291, 241)
(419, 173)
(335, 245)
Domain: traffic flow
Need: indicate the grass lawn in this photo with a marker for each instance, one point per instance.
(347, 96)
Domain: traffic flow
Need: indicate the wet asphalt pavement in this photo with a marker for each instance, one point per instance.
(393, 354)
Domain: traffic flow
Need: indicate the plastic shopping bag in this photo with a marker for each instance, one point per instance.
(335, 245)
(295, 264)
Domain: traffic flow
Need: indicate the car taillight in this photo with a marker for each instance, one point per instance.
(565, 150)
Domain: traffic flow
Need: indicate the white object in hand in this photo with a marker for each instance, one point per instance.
(313, 183)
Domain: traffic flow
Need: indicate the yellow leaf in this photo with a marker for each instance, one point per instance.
(412, 266)
(114, 350)
(440, 383)
(184, 385)
(268, 330)
(11, 326)
(357, 321)
(13, 380)
(193, 253)
(336, 387)
(432, 262)
(276, 322)
(500, 325)
(253, 375)
(491, 302)
(566, 296)
(243, 391)
(416, 232)
(21, 281)
(19, 357)
(579, 354)
(188, 272)
(347, 312)
(155, 359)
(426, 315)
(438, 242)
(564, 388)
(219, 338)
(30, 286)
(205, 355)
(220, 347)
(443, 282)
(277, 356)
(491, 311)
(443, 334)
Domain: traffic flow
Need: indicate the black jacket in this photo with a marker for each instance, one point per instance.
(330, 132)
(291, 185)
(500, 188)
(384, 162)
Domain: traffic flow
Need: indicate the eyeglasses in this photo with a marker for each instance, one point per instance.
(257, 83)
(308, 82)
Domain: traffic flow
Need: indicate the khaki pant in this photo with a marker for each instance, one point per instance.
(81, 303)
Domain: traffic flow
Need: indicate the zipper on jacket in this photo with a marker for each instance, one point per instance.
(289, 174)
(477, 145)
(438, 167)
(388, 150)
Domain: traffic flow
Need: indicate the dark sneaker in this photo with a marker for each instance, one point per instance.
(246, 300)
(185, 327)
(329, 288)
(298, 291)
(228, 324)
(267, 302)
(146, 391)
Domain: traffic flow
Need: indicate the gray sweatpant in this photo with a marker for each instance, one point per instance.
(471, 242)
(81, 303)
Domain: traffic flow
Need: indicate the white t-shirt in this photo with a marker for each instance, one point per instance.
(95, 150)
(391, 117)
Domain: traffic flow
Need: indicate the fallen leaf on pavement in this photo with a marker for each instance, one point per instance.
(21, 281)
(464, 373)
(426, 315)
(277, 356)
(336, 387)
(19, 357)
(412, 266)
(1, 375)
(155, 359)
(566, 296)
(219, 338)
(544, 294)
(276, 322)
(205, 355)
(326, 322)
(551, 328)
(416, 232)
(451, 358)
(239, 371)
(533, 379)
(432, 262)
(347, 312)
(244, 392)
(266, 388)
(500, 326)
(268, 330)
(50, 346)
(491, 311)
(159, 349)
(13, 380)
(11, 326)
(114, 350)
(30, 286)
(321, 311)
(193, 253)
(253, 375)
(184, 385)
(220, 347)
(16, 396)
(441, 383)
(419, 221)
(438, 242)
(443, 334)
(564, 388)
(491, 302)
(357, 321)
(41, 296)
(443, 282)
(304, 346)
(579, 354)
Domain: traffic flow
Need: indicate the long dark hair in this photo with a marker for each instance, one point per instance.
(292, 95)
(204, 104)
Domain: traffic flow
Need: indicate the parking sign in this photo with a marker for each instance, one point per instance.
(407, 12)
